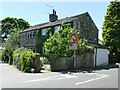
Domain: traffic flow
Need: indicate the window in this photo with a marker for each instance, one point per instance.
(32, 34)
(27, 35)
(44, 32)
(57, 28)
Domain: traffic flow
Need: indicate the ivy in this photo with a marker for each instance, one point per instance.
(41, 39)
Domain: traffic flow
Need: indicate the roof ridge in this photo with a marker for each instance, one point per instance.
(46, 24)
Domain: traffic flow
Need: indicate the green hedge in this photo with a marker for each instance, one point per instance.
(23, 59)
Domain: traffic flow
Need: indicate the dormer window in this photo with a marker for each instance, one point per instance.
(57, 28)
(44, 31)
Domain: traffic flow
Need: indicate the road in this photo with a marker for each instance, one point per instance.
(103, 78)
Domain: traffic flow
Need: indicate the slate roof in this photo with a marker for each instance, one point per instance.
(57, 22)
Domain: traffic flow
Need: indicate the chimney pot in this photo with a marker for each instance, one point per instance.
(53, 17)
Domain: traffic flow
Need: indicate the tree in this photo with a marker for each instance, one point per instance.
(11, 28)
(10, 24)
(58, 44)
(111, 29)
(11, 45)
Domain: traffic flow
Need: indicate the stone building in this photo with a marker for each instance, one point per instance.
(82, 23)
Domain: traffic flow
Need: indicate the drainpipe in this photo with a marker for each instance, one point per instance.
(95, 56)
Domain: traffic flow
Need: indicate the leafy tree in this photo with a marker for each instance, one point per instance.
(12, 27)
(58, 44)
(11, 44)
(10, 24)
(111, 29)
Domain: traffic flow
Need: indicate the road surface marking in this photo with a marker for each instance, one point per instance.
(102, 76)
(69, 76)
(53, 78)
(91, 73)
(42, 79)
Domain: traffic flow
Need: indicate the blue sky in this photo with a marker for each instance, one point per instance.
(37, 12)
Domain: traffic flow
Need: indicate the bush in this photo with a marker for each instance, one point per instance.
(25, 59)
(58, 44)
(5, 56)
(16, 57)
(83, 46)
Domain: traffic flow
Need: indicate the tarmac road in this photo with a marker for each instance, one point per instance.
(99, 78)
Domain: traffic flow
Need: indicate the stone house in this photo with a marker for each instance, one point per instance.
(82, 24)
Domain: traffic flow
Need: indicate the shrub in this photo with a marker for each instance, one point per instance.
(16, 57)
(83, 46)
(25, 59)
(5, 56)
(58, 44)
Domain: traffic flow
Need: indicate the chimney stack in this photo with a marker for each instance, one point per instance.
(53, 17)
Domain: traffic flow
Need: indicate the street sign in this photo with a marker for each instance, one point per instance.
(73, 38)
(73, 46)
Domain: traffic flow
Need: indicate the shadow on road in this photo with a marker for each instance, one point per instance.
(90, 70)
(81, 70)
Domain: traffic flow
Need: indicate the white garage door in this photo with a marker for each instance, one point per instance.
(102, 56)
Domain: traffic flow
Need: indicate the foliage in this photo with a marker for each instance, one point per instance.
(5, 56)
(58, 44)
(11, 25)
(24, 58)
(12, 44)
(41, 39)
(111, 29)
(16, 56)
(83, 46)
(1, 54)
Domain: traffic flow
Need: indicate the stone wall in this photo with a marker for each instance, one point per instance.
(85, 60)
(61, 64)
(36, 63)
(27, 42)
(86, 28)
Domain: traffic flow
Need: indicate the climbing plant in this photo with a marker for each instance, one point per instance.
(41, 39)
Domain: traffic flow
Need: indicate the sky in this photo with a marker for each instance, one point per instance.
(38, 12)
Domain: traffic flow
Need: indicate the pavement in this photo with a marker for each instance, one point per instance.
(106, 77)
